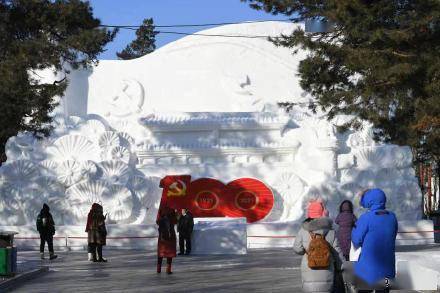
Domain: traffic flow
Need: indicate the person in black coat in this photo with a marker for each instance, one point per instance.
(185, 228)
(46, 228)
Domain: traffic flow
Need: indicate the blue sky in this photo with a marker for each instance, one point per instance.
(169, 12)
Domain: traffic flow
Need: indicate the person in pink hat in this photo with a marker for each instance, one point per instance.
(318, 225)
(316, 209)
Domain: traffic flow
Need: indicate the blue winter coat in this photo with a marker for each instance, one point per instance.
(375, 232)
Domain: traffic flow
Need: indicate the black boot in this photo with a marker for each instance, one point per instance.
(100, 258)
(52, 256)
(159, 265)
(169, 261)
(93, 252)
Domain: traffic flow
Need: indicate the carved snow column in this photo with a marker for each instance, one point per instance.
(328, 146)
(329, 156)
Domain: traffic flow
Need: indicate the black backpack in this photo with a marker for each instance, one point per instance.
(45, 224)
(165, 228)
(39, 224)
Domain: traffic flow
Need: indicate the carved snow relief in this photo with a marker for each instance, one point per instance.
(89, 162)
(73, 147)
(117, 153)
(115, 172)
(291, 189)
(69, 174)
(128, 100)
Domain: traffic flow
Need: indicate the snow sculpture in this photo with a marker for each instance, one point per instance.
(180, 111)
(93, 128)
(115, 172)
(70, 172)
(108, 140)
(119, 201)
(73, 147)
(89, 169)
(291, 188)
(83, 195)
(128, 100)
(18, 171)
(20, 147)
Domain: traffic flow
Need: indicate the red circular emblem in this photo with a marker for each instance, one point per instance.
(208, 197)
(206, 200)
(246, 200)
(248, 197)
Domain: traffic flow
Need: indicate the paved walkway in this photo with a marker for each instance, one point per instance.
(26, 269)
(134, 271)
(23, 266)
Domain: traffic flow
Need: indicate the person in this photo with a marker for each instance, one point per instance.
(318, 226)
(89, 222)
(185, 228)
(46, 229)
(375, 232)
(96, 232)
(345, 220)
(166, 242)
(316, 209)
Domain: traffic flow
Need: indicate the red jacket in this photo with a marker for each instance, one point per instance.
(89, 216)
(167, 248)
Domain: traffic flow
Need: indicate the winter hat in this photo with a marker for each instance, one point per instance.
(374, 199)
(316, 209)
(46, 207)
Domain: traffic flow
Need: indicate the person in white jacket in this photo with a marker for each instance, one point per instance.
(318, 280)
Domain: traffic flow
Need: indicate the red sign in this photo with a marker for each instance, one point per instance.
(175, 190)
(207, 197)
(250, 198)
(207, 200)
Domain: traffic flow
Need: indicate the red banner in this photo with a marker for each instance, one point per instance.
(207, 197)
(175, 190)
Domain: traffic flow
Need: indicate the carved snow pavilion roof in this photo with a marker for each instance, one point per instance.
(209, 137)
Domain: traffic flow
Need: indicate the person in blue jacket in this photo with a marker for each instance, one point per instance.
(375, 232)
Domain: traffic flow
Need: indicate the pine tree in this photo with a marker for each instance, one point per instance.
(37, 35)
(143, 44)
(380, 62)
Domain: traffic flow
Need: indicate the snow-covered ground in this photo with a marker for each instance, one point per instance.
(419, 269)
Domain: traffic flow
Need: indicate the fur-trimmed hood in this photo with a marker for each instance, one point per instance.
(318, 224)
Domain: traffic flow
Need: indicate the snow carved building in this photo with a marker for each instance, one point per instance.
(204, 106)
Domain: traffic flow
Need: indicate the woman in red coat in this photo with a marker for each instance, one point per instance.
(166, 244)
(90, 249)
(96, 232)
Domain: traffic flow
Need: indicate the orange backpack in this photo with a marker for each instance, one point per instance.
(318, 254)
